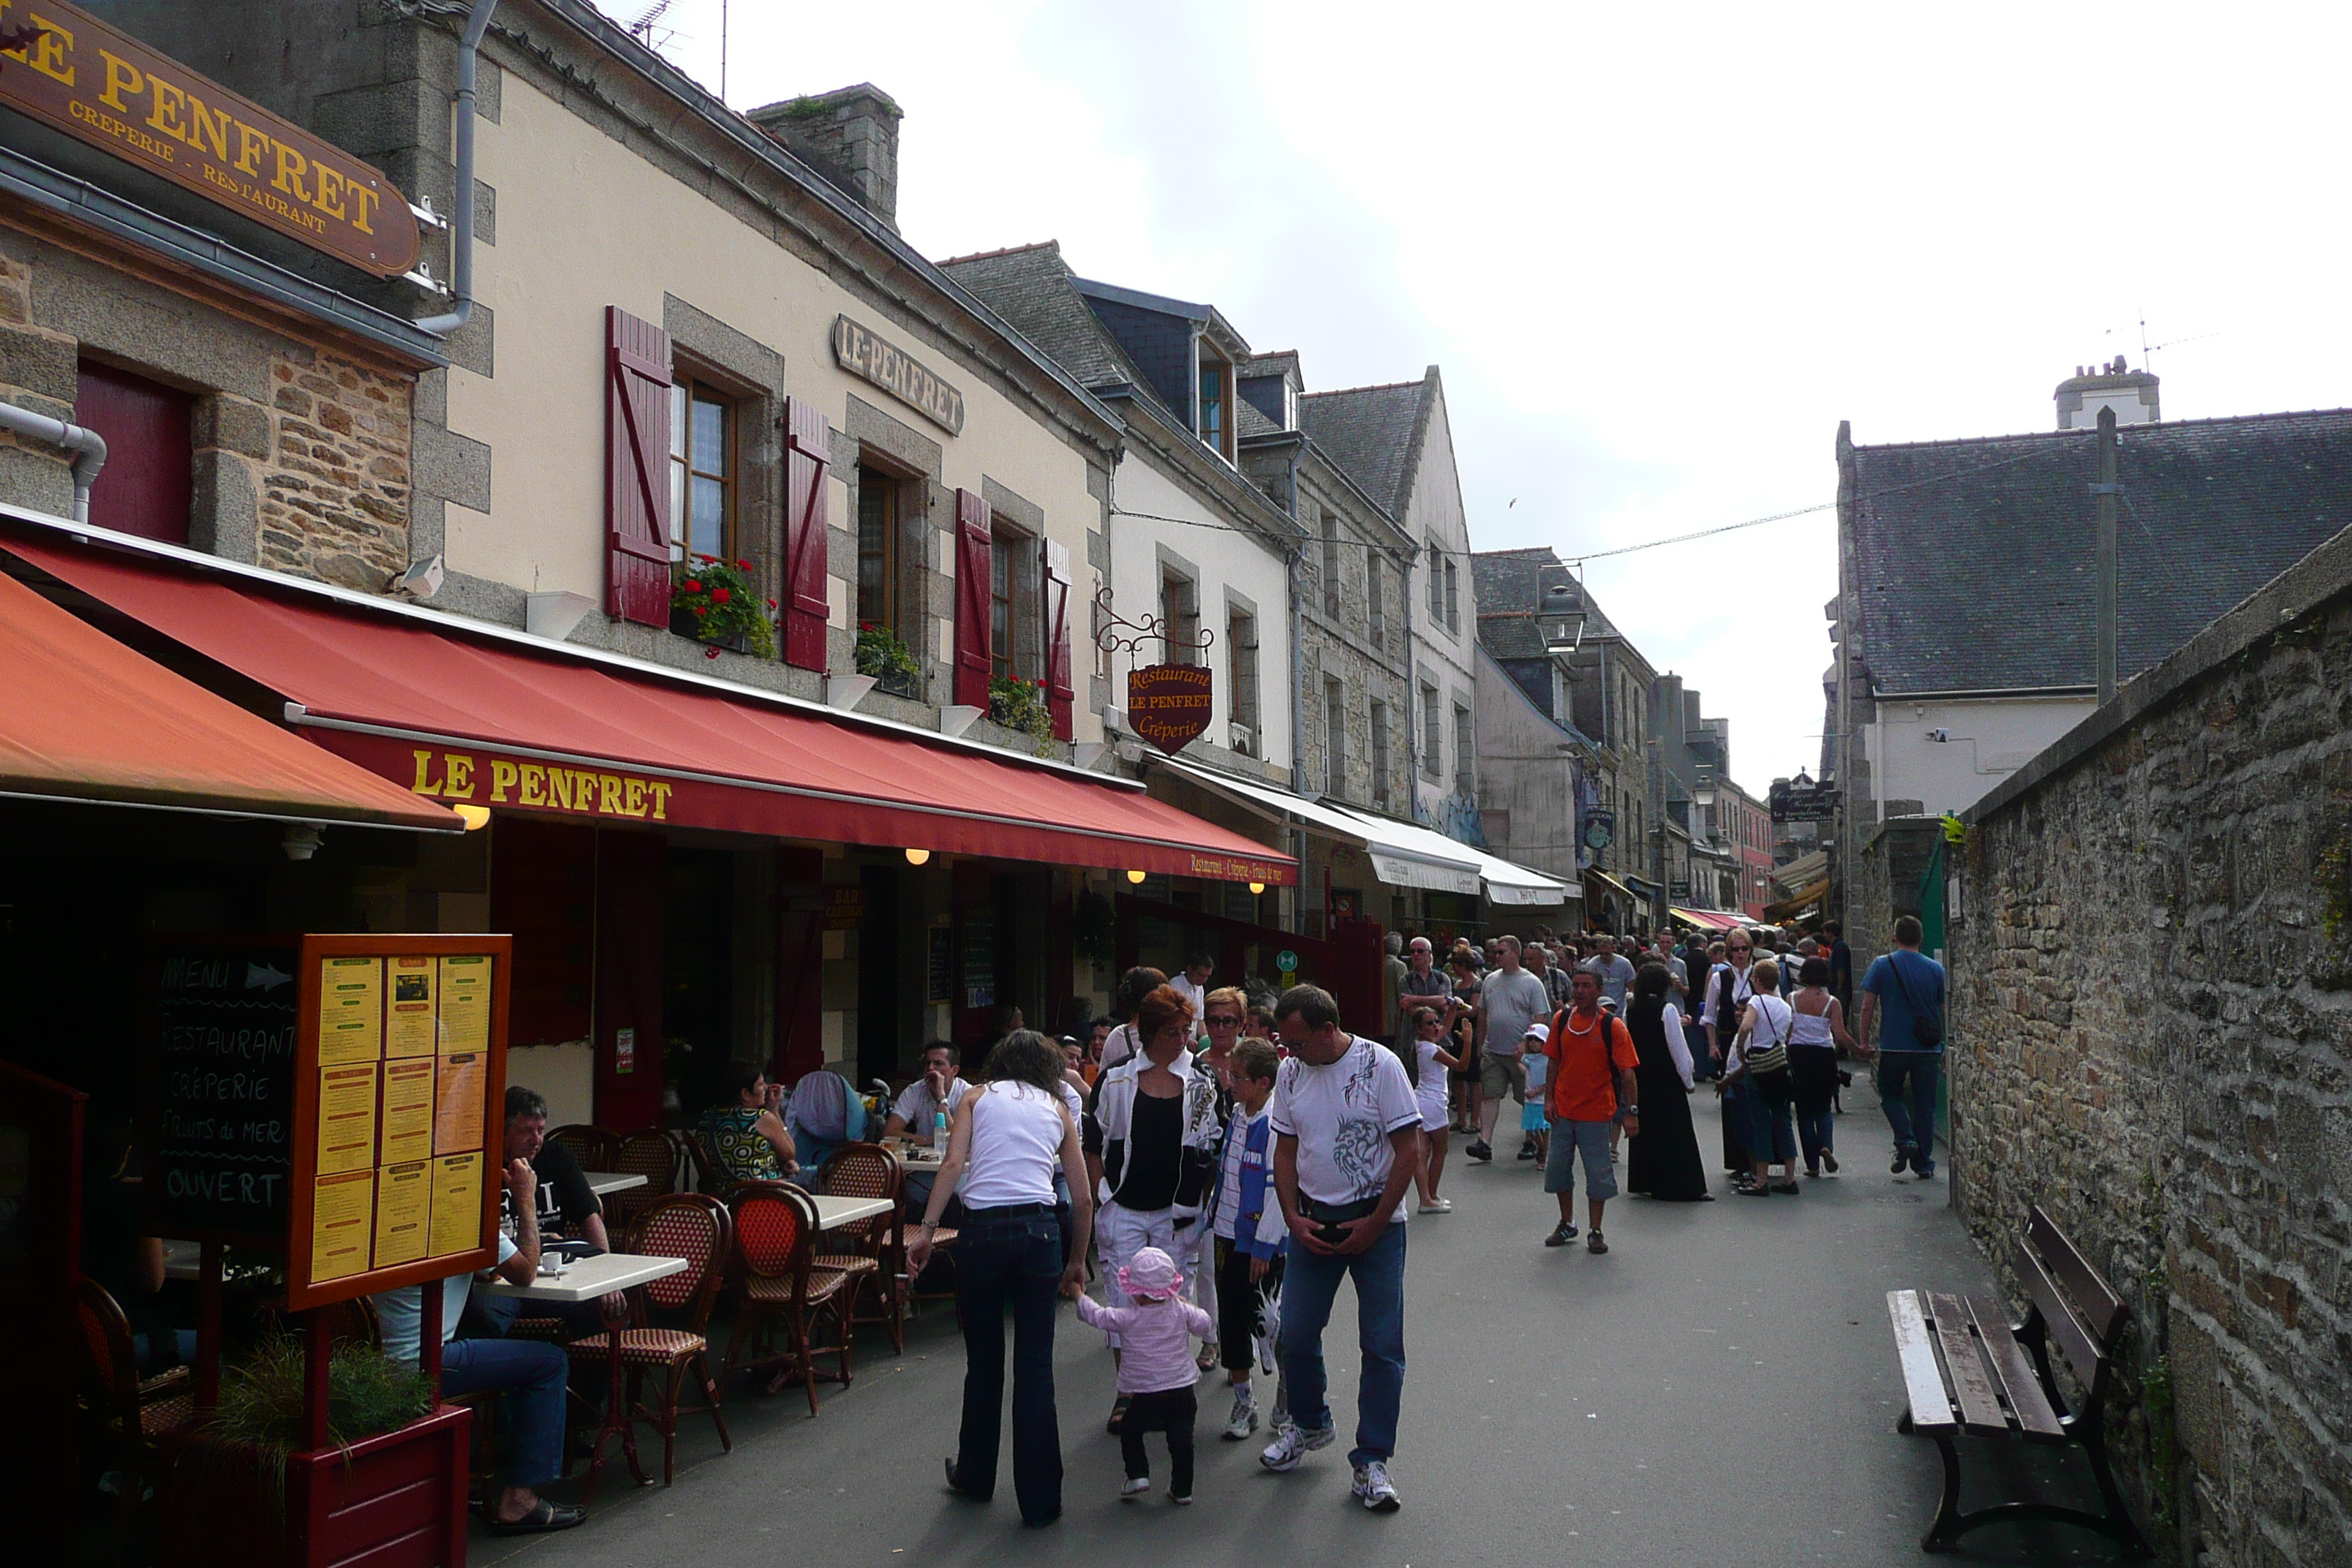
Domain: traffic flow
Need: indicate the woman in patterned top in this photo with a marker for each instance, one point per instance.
(747, 1138)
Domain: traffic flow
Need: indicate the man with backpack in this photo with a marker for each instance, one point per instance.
(1903, 994)
(1590, 1093)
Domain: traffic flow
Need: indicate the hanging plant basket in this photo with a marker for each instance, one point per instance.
(715, 602)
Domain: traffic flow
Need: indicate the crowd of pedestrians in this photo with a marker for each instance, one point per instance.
(1216, 1163)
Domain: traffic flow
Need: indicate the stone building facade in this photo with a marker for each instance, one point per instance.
(2151, 1029)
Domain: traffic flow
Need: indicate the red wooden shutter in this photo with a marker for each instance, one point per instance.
(974, 534)
(808, 458)
(636, 469)
(1060, 694)
(148, 479)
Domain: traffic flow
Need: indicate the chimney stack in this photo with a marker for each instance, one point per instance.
(2130, 393)
(849, 135)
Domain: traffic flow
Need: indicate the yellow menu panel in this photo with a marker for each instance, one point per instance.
(466, 1002)
(346, 1119)
(350, 1009)
(411, 1024)
(457, 1103)
(407, 1121)
(403, 1206)
(457, 1205)
(341, 1208)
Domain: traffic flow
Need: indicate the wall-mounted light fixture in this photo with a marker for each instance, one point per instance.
(917, 857)
(1135, 876)
(1257, 886)
(474, 817)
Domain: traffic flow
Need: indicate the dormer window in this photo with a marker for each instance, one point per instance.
(1216, 406)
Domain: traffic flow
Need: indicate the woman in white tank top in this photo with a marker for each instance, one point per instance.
(1012, 1137)
(1816, 1034)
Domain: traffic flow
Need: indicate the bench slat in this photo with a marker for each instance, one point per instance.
(1923, 1379)
(2014, 1371)
(2068, 1337)
(2094, 1298)
(1981, 1412)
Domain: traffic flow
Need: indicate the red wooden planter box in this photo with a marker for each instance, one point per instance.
(393, 1501)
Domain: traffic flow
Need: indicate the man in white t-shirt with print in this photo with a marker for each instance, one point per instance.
(1509, 999)
(1348, 1140)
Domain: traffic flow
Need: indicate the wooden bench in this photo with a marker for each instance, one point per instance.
(1969, 1371)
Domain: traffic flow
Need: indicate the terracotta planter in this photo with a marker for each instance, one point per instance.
(397, 1500)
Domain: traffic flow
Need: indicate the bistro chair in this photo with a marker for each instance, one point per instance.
(593, 1147)
(782, 1289)
(656, 1157)
(871, 1252)
(127, 1412)
(698, 1229)
(707, 1178)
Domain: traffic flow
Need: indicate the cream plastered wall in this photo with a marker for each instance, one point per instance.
(1988, 739)
(1441, 657)
(1222, 558)
(584, 223)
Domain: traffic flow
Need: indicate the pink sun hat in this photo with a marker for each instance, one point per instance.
(1150, 1275)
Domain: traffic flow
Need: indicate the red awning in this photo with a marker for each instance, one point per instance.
(479, 720)
(86, 719)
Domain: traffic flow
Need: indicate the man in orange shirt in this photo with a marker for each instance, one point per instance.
(1592, 1062)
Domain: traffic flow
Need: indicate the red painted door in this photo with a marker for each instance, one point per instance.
(145, 486)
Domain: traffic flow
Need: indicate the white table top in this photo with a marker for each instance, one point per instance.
(833, 1211)
(182, 1259)
(590, 1278)
(605, 1182)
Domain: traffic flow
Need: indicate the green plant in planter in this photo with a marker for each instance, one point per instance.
(1020, 705)
(260, 1404)
(720, 600)
(881, 655)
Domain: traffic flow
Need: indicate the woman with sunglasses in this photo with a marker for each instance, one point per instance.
(1728, 991)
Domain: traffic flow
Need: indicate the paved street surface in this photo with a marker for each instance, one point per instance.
(1719, 1388)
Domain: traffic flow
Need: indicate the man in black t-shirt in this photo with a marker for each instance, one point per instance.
(568, 1210)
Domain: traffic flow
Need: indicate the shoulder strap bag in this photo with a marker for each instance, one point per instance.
(1926, 1029)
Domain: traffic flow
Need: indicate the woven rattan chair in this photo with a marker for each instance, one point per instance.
(872, 1252)
(592, 1147)
(655, 1155)
(781, 1290)
(129, 1413)
(698, 1229)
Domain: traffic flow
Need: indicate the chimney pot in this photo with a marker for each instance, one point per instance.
(849, 135)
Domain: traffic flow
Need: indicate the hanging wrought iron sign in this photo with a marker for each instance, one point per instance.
(1168, 704)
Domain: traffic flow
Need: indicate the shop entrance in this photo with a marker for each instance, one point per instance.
(1347, 964)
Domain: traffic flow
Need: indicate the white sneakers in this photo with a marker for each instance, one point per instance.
(1133, 1487)
(1291, 1444)
(1244, 1420)
(1438, 1205)
(1374, 1489)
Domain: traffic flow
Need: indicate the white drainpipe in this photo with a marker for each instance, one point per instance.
(87, 446)
(461, 239)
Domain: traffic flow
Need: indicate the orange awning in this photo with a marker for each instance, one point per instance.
(84, 718)
(470, 716)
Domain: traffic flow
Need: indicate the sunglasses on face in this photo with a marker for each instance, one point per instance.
(1225, 1018)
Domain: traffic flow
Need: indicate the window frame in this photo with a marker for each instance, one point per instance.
(689, 385)
(1334, 737)
(1466, 747)
(1453, 597)
(1433, 734)
(1379, 749)
(1019, 587)
(1179, 615)
(1241, 703)
(888, 483)
(1331, 563)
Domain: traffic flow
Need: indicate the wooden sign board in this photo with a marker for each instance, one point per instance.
(398, 1127)
(100, 85)
(1168, 704)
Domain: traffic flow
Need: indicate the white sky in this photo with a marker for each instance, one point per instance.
(1659, 252)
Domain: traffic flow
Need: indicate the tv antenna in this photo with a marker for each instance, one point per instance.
(2147, 348)
(642, 30)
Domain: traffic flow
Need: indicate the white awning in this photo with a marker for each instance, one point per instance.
(1403, 854)
(1506, 881)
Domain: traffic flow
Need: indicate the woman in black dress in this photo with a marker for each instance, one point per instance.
(1665, 1162)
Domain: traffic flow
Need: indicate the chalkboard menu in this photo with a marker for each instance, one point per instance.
(220, 1155)
(980, 958)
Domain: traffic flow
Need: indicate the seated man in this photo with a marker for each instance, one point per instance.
(529, 1372)
(568, 1211)
(747, 1140)
(915, 1114)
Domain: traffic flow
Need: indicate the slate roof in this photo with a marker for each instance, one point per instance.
(1510, 588)
(1373, 432)
(1973, 560)
(1034, 290)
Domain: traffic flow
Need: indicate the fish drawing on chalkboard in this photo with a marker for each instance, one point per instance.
(268, 976)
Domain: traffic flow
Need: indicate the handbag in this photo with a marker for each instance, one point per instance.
(1773, 1057)
(1926, 1029)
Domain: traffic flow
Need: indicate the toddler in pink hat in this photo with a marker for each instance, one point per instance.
(1156, 1370)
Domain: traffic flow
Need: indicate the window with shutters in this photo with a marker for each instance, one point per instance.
(880, 498)
(1465, 751)
(701, 469)
(1241, 644)
(1180, 616)
(1015, 635)
(1380, 752)
(1334, 741)
(1433, 735)
(146, 485)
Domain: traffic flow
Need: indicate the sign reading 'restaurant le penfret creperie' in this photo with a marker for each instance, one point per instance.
(96, 84)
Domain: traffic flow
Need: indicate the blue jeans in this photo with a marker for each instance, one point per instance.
(1915, 1074)
(1310, 1282)
(531, 1373)
(1006, 1257)
(1771, 1137)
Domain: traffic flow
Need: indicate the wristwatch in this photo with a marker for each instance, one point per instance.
(1633, 1111)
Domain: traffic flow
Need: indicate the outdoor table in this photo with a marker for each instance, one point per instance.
(605, 1184)
(182, 1259)
(589, 1279)
(833, 1212)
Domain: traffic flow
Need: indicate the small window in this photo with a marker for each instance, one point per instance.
(1016, 633)
(1465, 750)
(1330, 565)
(1453, 597)
(1436, 582)
(1375, 602)
(1241, 641)
(1179, 617)
(701, 470)
(1433, 734)
(1335, 741)
(1380, 749)
(879, 501)
(1217, 401)
(1001, 591)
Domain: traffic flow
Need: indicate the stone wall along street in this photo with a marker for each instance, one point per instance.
(2152, 1037)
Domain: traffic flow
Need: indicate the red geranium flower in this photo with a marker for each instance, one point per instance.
(720, 595)
(710, 653)
(771, 603)
(692, 585)
(701, 609)
(746, 565)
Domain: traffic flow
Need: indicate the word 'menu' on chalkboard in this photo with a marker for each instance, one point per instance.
(221, 1091)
